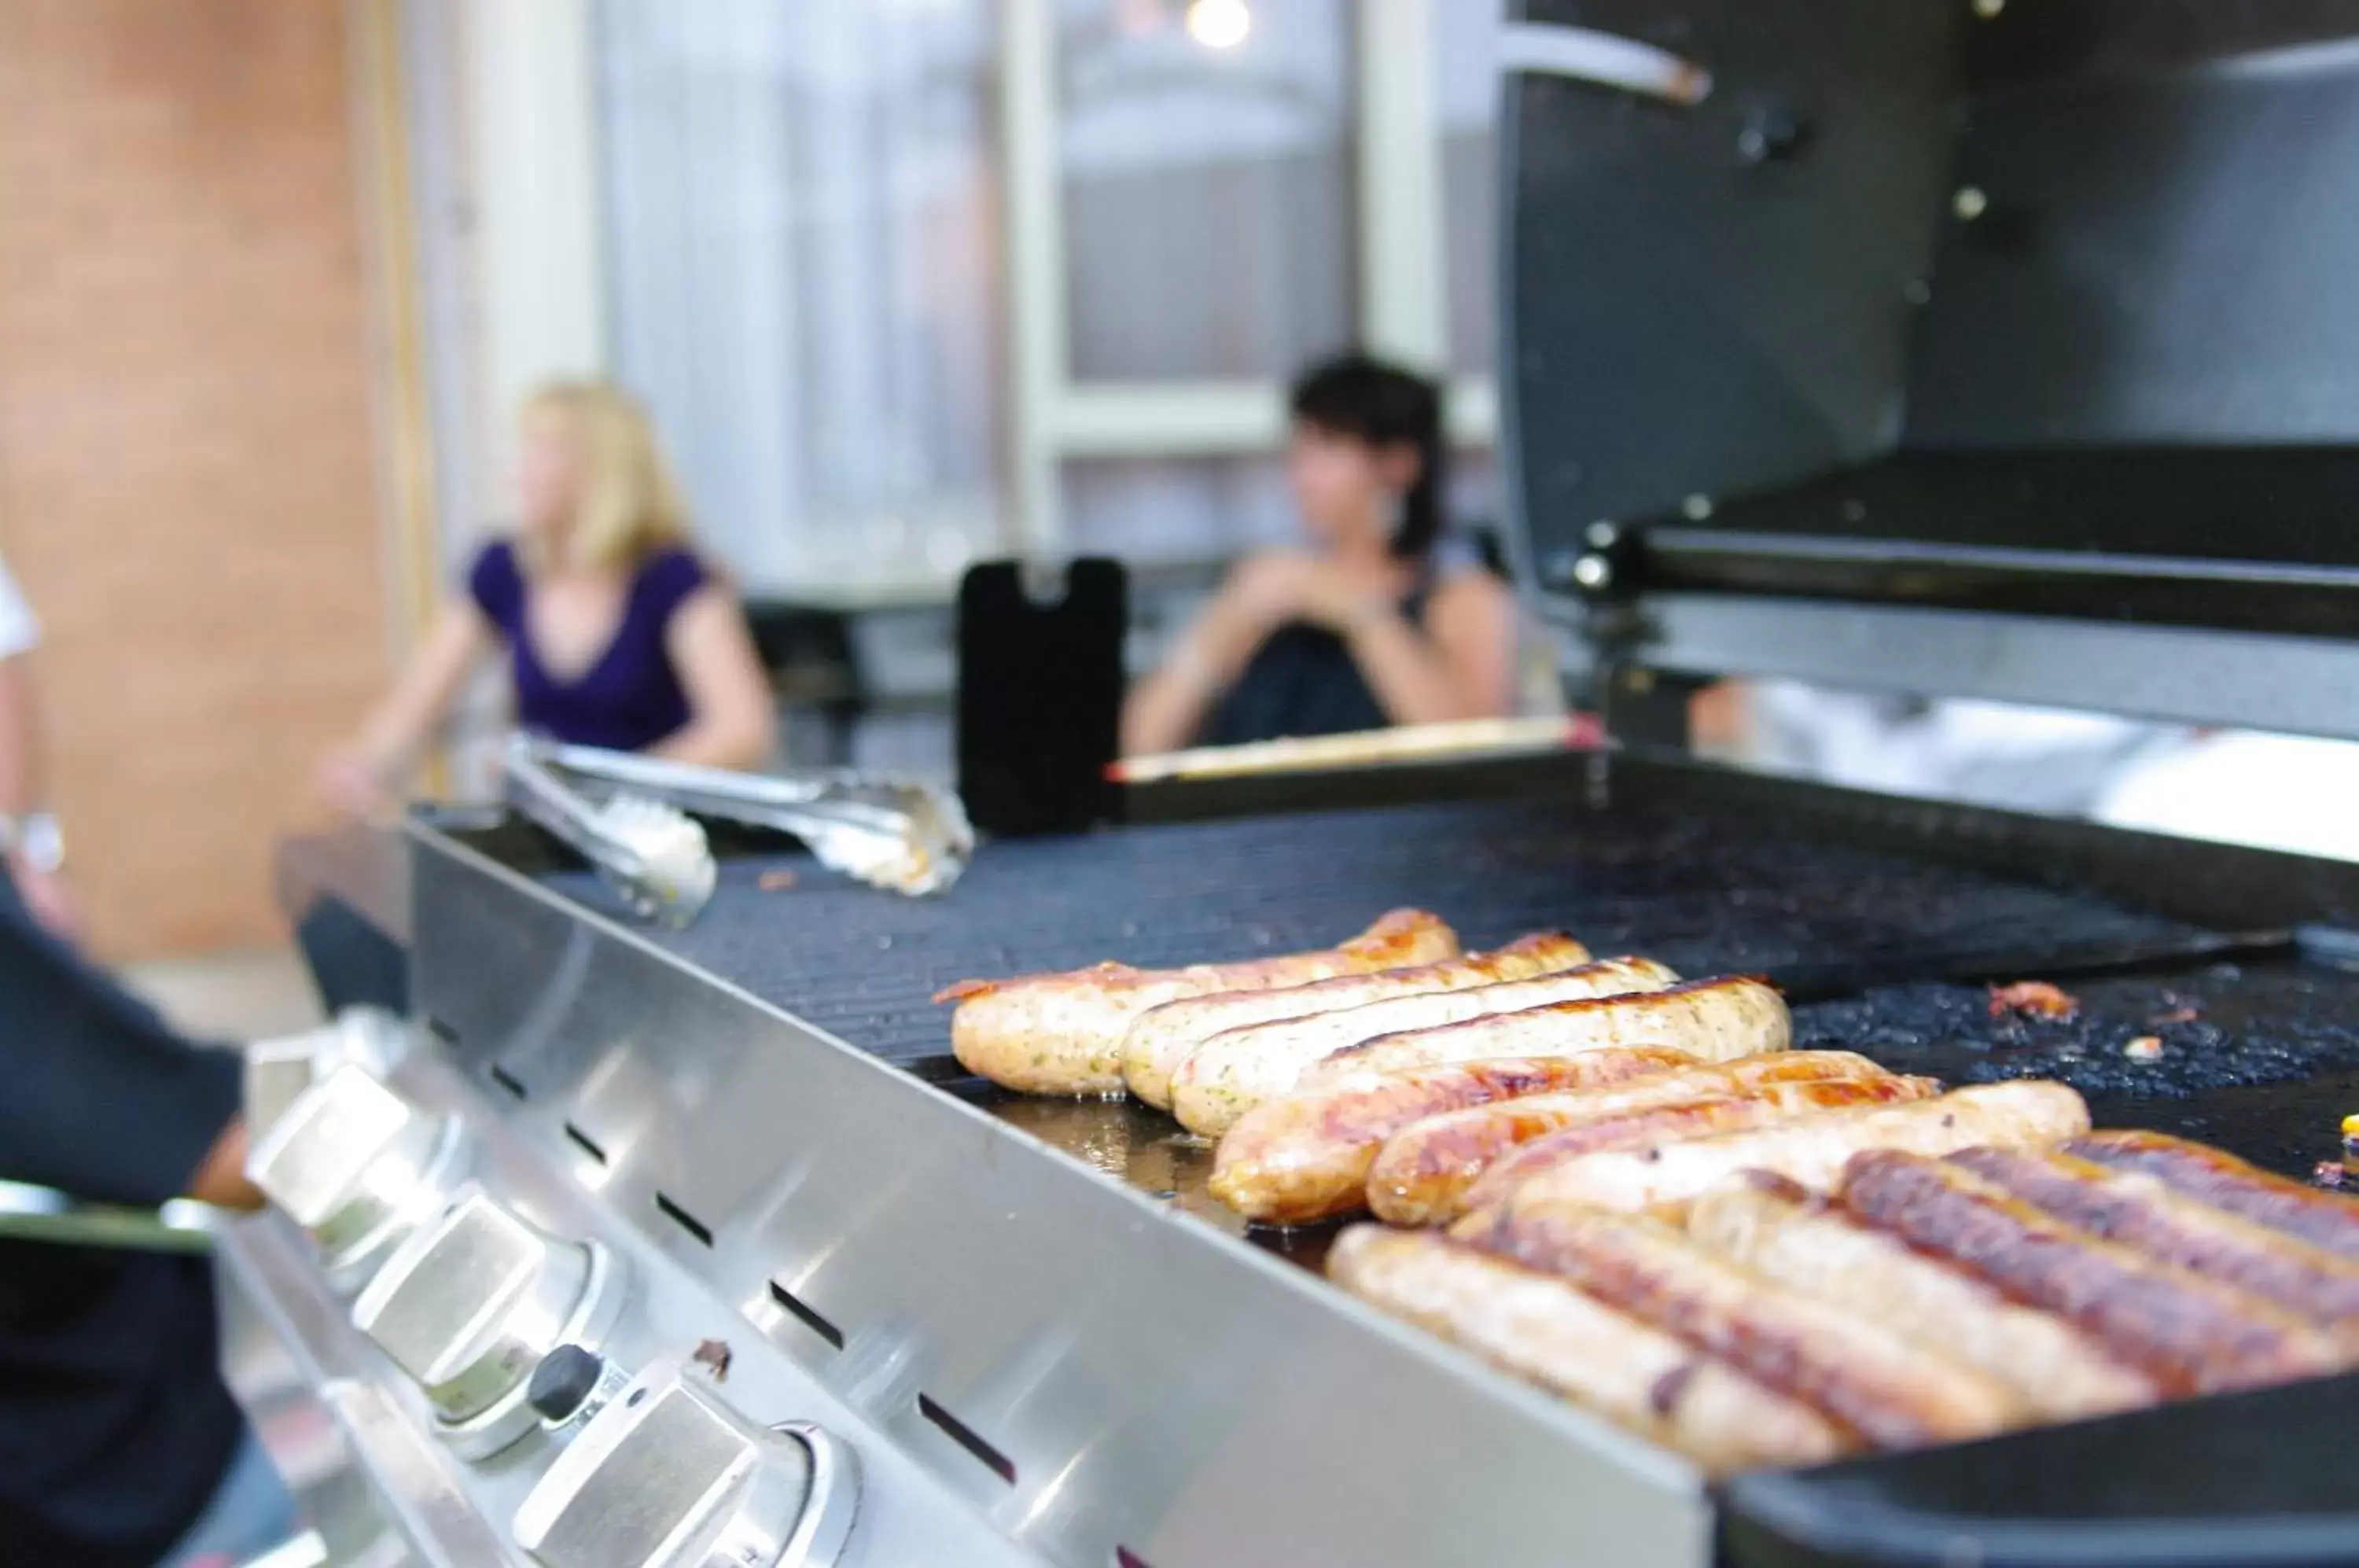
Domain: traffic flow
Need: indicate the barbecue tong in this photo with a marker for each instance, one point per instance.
(900, 835)
(654, 855)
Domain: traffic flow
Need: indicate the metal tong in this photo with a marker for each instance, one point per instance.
(901, 834)
(654, 855)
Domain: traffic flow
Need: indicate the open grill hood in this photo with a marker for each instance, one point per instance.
(2022, 318)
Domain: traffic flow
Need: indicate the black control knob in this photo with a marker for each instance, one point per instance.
(1773, 133)
(566, 1380)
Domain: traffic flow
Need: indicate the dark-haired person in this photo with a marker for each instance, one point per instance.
(1385, 618)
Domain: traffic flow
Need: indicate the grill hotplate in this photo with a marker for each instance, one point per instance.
(1878, 952)
(1700, 895)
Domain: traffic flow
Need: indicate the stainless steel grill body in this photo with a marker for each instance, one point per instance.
(1025, 1316)
(374, 1463)
(1086, 1367)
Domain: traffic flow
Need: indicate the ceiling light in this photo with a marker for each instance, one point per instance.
(1219, 23)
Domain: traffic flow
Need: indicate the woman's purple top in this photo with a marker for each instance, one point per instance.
(630, 696)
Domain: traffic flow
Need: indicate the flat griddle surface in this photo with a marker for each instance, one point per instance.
(1881, 953)
(1702, 895)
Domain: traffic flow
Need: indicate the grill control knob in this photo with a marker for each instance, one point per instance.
(278, 1071)
(571, 1384)
(471, 1302)
(668, 1476)
(354, 1165)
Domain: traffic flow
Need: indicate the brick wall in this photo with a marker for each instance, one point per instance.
(186, 485)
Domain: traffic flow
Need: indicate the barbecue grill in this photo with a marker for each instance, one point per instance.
(1925, 344)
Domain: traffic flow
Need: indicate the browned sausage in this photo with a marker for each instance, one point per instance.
(1232, 1072)
(2192, 1334)
(2209, 1176)
(1893, 1391)
(1061, 1034)
(1305, 1157)
(1813, 1150)
(2140, 1213)
(1717, 1019)
(1542, 1329)
(1769, 1106)
(1777, 1228)
(1161, 1037)
(1422, 1172)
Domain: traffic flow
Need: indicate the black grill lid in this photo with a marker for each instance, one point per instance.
(1903, 311)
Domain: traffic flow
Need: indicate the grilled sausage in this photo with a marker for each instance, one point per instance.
(1161, 1037)
(2210, 1176)
(1327, 1040)
(1893, 1391)
(2191, 1334)
(1305, 1157)
(1713, 1020)
(2142, 1213)
(1777, 1229)
(1766, 1105)
(1232, 1072)
(1716, 1019)
(1061, 1034)
(2021, 1114)
(1542, 1329)
(1422, 1172)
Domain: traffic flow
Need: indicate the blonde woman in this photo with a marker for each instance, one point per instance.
(616, 633)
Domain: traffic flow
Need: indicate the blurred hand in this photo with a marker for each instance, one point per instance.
(349, 783)
(1269, 589)
(48, 897)
(1342, 595)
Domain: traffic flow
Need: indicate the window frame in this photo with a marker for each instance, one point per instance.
(1399, 256)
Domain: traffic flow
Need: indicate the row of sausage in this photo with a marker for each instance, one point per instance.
(1626, 1188)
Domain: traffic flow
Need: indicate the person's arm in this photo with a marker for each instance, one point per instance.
(1461, 665)
(360, 775)
(733, 719)
(20, 738)
(1719, 720)
(219, 1179)
(43, 887)
(1164, 712)
(106, 1102)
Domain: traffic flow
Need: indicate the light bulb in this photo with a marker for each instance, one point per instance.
(1219, 23)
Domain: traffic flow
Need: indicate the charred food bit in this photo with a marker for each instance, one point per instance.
(2037, 997)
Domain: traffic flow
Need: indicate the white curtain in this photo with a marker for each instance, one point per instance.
(803, 274)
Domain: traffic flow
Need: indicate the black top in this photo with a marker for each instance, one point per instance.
(114, 1425)
(1304, 681)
